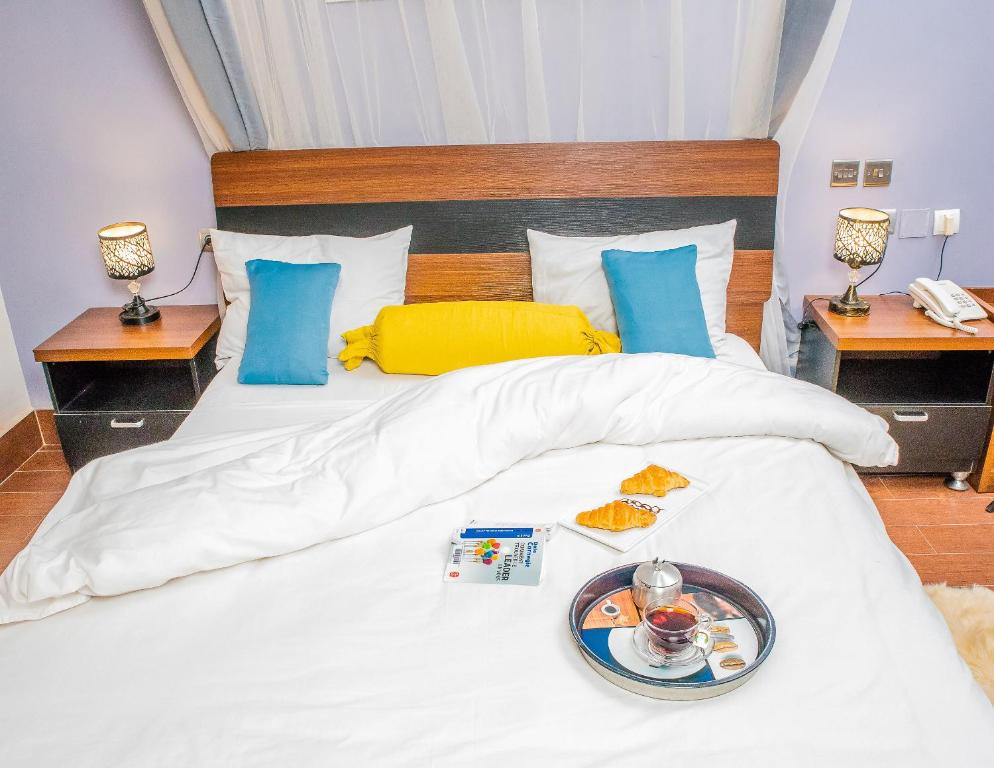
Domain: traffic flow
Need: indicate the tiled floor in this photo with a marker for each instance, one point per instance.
(948, 536)
(27, 496)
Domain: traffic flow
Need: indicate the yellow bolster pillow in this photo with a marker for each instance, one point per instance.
(440, 337)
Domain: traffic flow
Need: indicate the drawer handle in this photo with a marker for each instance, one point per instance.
(127, 424)
(910, 415)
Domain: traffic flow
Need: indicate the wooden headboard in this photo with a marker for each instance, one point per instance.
(470, 205)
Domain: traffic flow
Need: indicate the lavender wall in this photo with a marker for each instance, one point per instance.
(910, 83)
(93, 131)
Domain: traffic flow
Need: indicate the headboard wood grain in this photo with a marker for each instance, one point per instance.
(496, 171)
(471, 205)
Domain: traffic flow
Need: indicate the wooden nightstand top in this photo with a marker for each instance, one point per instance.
(894, 325)
(97, 334)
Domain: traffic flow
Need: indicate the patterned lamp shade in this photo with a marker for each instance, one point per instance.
(126, 250)
(861, 236)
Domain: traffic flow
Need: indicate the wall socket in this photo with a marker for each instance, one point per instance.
(877, 173)
(202, 235)
(845, 173)
(892, 212)
(939, 221)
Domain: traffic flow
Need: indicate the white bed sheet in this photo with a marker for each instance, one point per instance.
(229, 406)
(355, 652)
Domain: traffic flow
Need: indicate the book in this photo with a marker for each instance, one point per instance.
(495, 554)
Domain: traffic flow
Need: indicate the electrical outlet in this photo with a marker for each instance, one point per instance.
(877, 173)
(914, 223)
(892, 226)
(845, 173)
(939, 222)
(202, 235)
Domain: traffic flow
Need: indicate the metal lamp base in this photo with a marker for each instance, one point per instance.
(138, 312)
(957, 481)
(849, 304)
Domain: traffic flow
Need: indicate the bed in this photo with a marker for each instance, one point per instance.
(348, 648)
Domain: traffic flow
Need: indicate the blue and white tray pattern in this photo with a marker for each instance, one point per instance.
(734, 607)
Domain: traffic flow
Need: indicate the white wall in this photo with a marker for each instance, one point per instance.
(14, 402)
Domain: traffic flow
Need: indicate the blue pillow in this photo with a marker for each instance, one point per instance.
(288, 323)
(657, 301)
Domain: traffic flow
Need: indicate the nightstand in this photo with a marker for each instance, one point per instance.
(932, 384)
(118, 386)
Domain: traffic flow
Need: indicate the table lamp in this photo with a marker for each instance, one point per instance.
(127, 255)
(860, 239)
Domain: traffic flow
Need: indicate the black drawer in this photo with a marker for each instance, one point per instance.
(935, 438)
(87, 436)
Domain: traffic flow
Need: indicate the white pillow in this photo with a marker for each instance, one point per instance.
(374, 273)
(567, 270)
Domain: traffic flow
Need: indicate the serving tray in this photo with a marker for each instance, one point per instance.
(605, 638)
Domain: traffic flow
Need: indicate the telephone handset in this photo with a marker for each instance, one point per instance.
(946, 303)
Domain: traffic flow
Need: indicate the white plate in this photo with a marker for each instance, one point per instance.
(673, 503)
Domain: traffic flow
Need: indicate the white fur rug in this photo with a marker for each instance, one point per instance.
(969, 612)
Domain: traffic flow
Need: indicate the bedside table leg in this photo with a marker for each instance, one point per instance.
(957, 481)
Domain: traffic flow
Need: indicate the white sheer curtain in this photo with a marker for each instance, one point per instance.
(397, 72)
(780, 335)
(211, 132)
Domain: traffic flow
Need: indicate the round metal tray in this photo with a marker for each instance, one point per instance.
(701, 682)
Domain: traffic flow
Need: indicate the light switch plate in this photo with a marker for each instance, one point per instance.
(915, 222)
(877, 173)
(845, 173)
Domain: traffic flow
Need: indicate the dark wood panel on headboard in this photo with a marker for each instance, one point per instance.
(498, 226)
(470, 205)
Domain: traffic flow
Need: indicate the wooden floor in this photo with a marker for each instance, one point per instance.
(27, 496)
(948, 536)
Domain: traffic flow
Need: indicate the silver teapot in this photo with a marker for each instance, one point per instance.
(658, 580)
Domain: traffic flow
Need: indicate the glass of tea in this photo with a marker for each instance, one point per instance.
(673, 628)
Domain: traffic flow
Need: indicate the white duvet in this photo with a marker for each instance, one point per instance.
(137, 520)
(355, 652)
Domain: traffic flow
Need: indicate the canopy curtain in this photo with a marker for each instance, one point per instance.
(822, 30)
(287, 74)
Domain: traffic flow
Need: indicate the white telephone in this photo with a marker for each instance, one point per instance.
(946, 303)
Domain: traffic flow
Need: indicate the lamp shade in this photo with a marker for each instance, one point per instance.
(126, 251)
(861, 236)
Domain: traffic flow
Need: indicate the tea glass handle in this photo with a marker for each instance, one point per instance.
(703, 636)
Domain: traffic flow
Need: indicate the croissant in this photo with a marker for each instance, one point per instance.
(616, 516)
(654, 481)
